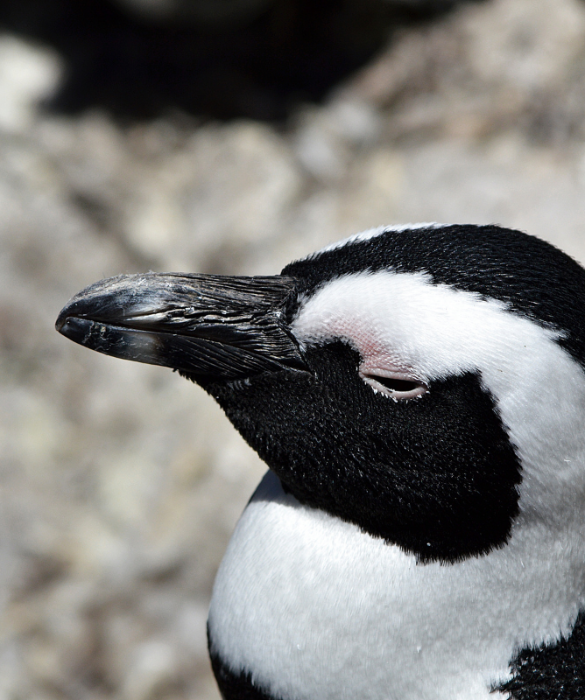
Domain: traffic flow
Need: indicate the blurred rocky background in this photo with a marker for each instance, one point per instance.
(218, 136)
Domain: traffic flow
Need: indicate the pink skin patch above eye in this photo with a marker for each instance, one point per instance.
(378, 362)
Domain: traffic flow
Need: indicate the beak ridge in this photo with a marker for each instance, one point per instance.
(208, 326)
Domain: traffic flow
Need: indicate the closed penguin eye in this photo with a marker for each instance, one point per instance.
(395, 386)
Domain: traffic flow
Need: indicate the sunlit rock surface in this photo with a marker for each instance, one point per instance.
(121, 483)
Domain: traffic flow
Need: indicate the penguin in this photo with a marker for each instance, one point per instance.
(418, 394)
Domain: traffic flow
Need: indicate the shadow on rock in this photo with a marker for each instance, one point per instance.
(258, 64)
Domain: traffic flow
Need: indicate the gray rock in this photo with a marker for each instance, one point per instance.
(121, 482)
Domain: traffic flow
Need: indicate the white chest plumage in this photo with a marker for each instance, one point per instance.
(314, 608)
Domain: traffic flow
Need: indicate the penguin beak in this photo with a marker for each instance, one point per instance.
(207, 326)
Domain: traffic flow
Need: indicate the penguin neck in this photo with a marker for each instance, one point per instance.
(303, 595)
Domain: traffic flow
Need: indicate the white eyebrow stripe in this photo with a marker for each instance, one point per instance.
(437, 328)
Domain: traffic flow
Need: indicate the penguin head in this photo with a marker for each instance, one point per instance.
(424, 383)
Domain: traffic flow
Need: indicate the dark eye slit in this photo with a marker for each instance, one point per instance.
(402, 385)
